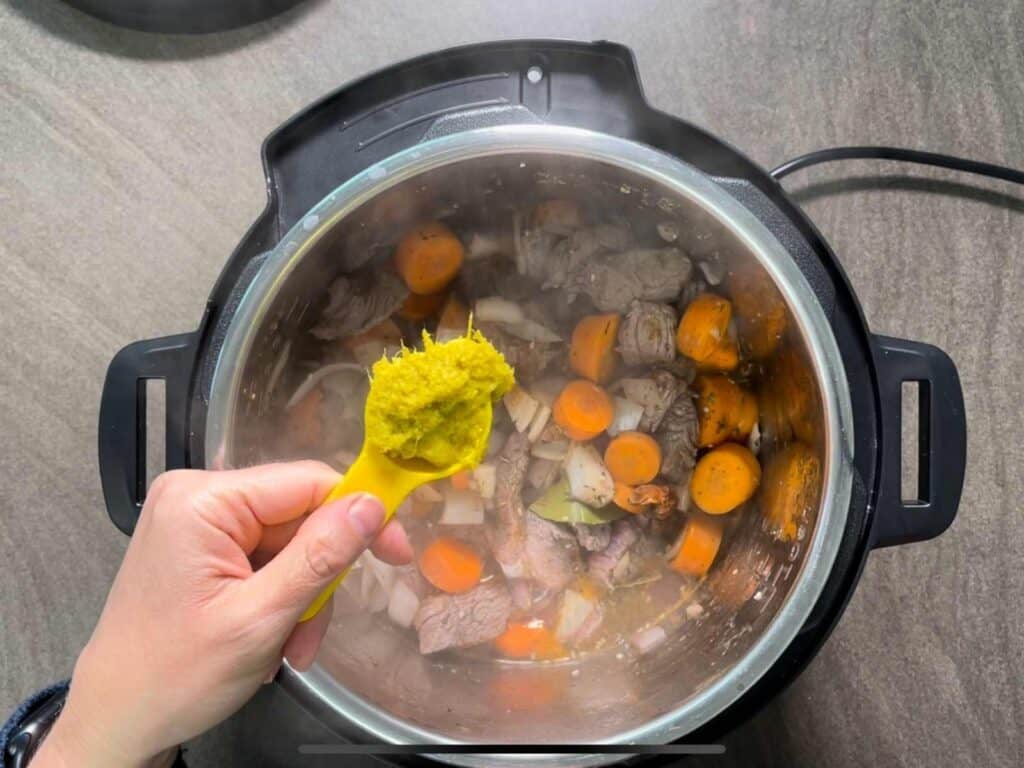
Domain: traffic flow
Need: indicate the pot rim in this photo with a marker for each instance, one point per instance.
(318, 690)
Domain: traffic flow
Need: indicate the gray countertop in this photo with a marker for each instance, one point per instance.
(130, 169)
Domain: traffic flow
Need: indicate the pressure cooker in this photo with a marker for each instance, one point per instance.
(528, 121)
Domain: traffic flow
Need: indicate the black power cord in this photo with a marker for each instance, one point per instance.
(902, 155)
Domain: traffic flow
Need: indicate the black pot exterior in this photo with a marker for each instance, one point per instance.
(183, 16)
(586, 85)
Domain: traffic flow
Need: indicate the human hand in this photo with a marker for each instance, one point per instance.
(205, 605)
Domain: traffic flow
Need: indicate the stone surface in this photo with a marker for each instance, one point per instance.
(130, 170)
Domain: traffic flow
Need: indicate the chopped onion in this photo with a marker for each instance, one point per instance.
(377, 580)
(556, 450)
(377, 599)
(627, 416)
(521, 406)
(462, 508)
(495, 309)
(315, 377)
(589, 479)
(646, 640)
(754, 441)
(531, 330)
(481, 245)
(403, 604)
(384, 573)
(539, 422)
(574, 612)
(486, 477)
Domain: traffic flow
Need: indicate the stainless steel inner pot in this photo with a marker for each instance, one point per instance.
(758, 594)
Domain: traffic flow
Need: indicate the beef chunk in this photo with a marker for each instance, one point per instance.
(459, 621)
(551, 552)
(608, 565)
(508, 536)
(593, 538)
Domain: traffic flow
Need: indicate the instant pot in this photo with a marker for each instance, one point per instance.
(483, 128)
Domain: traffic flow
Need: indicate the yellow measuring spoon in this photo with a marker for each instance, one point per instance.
(391, 481)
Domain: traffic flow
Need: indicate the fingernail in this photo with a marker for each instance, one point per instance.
(367, 516)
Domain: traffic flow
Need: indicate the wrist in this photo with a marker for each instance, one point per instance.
(74, 742)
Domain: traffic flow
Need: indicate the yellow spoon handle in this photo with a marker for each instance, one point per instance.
(368, 475)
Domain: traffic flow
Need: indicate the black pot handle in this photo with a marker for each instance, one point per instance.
(122, 429)
(942, 442)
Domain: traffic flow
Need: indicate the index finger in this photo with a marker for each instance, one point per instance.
(249, 500)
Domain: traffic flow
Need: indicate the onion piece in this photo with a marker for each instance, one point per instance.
(531, 330)
(403, 604)
(589, 479)
(495, 309)
(539, 422)
(462, 508)
(521, 406)
(627, 416)
(556, 450)
(646, 640)
(316, 376)
(754, 441)
(481, 245)
(486, 478)
(574, 612)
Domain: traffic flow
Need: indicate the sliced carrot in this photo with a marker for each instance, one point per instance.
(532, 640)
(704, 326)
(724, 478)
(583, 410)
(725, 410)
(791, 481)
(421, 306)
(461, 481)
(622, 500)
(592, 350)
(725, 358)
(429, 257)
(698, 545)
(303, 420)
(450, 565)
(633, 458)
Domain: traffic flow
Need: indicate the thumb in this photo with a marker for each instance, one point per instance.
(327, 543)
